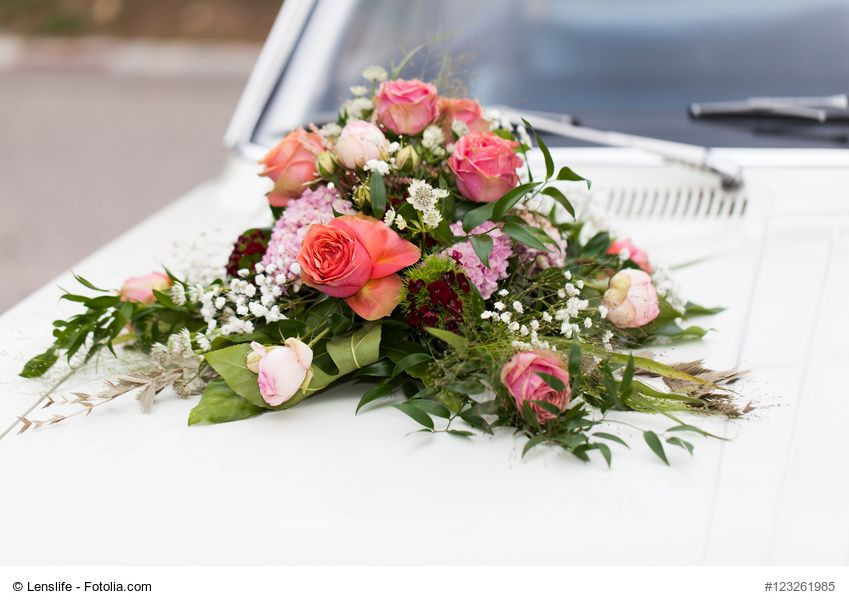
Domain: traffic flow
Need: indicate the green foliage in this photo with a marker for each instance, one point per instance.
(377, 194)
(220, 404)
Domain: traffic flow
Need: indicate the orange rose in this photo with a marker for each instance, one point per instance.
(356, 258)
(291, 165)
(467, 111)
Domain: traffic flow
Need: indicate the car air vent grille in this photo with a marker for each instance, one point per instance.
(671, 203)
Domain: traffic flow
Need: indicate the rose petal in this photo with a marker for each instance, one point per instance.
(377, 298)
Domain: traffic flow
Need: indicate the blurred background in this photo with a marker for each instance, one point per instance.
(109, 110)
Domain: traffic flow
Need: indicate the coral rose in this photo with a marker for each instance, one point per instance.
(635, 254)
(631, 299)
(140, 288)
(484, 166)
(520, 375)
(406, 106)
(359, 142)
(291, 165)
(467, 111)
(281, 371)
(356, 258)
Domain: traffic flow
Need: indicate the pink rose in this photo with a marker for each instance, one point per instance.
(484, 166)
(637, 255)
(406, 106)
(140, 288)
(359, 142)
(281, 371)
(520, 375)
(631, 299)
(467, 111)
(356, 258)
(291, 165)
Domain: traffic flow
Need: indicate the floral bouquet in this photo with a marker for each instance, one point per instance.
(412, 249)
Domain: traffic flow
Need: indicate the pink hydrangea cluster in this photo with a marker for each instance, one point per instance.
(313, 206)
(484, 278)
(556, 255)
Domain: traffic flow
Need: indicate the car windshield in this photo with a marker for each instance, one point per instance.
(628, 65)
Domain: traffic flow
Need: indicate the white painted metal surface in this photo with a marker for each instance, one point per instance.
(317, 485)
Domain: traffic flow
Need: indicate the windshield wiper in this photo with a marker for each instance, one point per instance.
(695, 156)
(819, 110)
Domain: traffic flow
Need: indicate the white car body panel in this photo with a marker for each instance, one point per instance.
(315, 484)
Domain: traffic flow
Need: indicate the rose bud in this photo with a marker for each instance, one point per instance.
(637, 255)
(631, 299)
(325, 165)
(406, 107)
(356, 258)
(467, 111)
(281, 370)
(520, 375)
(291, 165)
(484, 166)
(359, 142)
(407, 158)
(140, 288)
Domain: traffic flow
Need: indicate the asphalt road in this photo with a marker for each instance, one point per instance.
(86, 154)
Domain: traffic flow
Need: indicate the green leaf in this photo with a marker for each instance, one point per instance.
(356, 350)
(503, 133)
(476, 216)
(549, 163)
(690, 428)
(656, 446)
(609, 436)
(560, 197)
(625, 386)
(220, 404)
(410, 361)
(575, 365)
(522, 234)
(376, 392)
(88, 284)
(430, 406)
(503, 205)
(482, 245)
(454, 340)
(417, 414)
(230, 363)
(567, 174)
(535, 440)
(604, 449)
(681, 444)
(377, 194)
(553, 382)
(460, 432)
(597, 245)
(38, 365)
(165, 300)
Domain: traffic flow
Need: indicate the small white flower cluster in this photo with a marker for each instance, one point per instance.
(425, 199)
(569, 315)
(433, 139)
(329, 133)
(375, 73)
(667, 288)
(378, 166)
(178, 348)
(497, 120)
(529, 330)
(392, 217)
(203, 258)
(524, 137)
(232, 309)
(358, 108)
(459, 128)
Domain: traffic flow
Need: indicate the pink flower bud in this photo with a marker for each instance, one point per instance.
(140, 288)
(281, 371)
(631, 299)
(520, 375)
(359, 142)
(635, 254)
